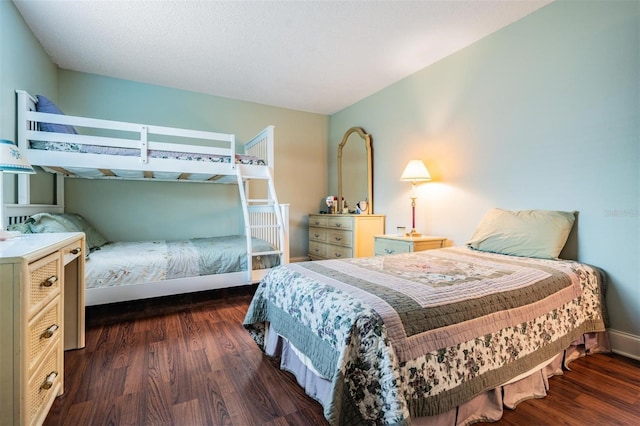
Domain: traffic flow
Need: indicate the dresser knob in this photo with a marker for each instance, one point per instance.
(337, 254)
(49, 281)
(76, 250)
(338, 238)
(389, 251)
(49, 331)
(48, 382)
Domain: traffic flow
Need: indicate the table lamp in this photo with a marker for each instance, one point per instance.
(415, 171)
(11, 161)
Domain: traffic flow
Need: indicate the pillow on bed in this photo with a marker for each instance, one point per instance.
(66, 222)
(529, 233)
(45, 105)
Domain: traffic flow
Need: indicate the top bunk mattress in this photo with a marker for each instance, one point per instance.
(133, 152)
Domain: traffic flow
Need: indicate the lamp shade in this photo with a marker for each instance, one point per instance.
(415, 171)
(12, 160)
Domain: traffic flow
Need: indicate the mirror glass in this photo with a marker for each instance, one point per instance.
(355, 182)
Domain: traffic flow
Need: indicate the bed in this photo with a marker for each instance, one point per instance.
(90, 148)
(447, 336)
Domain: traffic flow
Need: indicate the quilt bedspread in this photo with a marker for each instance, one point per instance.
(418, 334)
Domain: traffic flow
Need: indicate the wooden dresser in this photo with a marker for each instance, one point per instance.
(41, 315)
(343, 235)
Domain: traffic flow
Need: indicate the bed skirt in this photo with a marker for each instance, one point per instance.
(486, 407)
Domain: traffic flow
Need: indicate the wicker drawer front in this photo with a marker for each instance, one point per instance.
(391, 247)
(43, 332)
(44, 280)
(337, 252)
(317, 250)
(318, 234)
(344, 238)
(318, 221)
(340, 222)
(40, 396)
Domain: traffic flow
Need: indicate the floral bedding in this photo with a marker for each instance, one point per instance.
(417, 334)
(124, 263)
(96, 149)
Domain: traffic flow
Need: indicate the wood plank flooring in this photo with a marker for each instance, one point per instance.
(187, 360)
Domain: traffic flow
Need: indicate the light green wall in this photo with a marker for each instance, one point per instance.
(126, 210)
(23, 65)
(543, 114)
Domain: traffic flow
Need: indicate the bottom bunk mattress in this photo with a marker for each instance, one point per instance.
(124, 263)
(419, 334)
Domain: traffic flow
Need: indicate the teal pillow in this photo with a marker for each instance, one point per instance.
(528, 233)
(66, 222)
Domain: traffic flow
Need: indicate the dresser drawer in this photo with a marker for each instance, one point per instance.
(340, 222)
(337, 252)
(318, 221)
(43, 332)
(44, 282)
(43, 386)
(383, 247)
(338, 236)
(317, 249)
(318, 234)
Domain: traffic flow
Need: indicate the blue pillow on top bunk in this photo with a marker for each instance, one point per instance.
(45, 105)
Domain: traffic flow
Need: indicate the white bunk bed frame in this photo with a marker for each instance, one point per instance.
(264, 218)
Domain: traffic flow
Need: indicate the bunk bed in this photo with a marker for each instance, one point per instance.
(440, 337)
(81, 147)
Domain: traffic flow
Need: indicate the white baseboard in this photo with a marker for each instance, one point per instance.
(625, 344)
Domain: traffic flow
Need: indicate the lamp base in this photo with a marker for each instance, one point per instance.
(413, 233)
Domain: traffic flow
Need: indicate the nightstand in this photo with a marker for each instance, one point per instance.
(393, 244)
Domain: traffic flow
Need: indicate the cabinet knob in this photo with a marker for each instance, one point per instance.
(338, 225)
(76, 250)
(389, 251)
(338, 238)
(49, 331)
(316, 235)
(337, 254)
(49, 281)
(48, 382)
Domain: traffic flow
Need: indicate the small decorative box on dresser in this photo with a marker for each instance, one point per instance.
(41, 315)
(392, 244)
(334, 236)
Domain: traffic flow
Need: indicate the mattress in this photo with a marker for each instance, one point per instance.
(134, 152)
(419, 334)
(123, 263)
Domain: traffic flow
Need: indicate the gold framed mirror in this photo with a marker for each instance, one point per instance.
(355, 169)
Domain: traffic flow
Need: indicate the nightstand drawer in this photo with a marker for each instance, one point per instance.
(45, 280)
(318, 234)
(383, 246)
(337, 252)
(344, 238)
(393, 244)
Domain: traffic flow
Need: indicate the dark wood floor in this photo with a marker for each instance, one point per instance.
(187, 360)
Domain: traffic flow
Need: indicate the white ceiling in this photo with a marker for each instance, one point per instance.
(317, 56)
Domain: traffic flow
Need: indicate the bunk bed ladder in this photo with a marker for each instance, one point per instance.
(263, 218)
